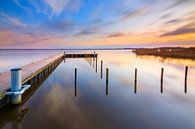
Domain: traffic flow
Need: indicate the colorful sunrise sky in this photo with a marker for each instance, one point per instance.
(96, 23)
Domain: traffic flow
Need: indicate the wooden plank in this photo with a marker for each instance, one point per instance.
(28, 71)
(80, 55)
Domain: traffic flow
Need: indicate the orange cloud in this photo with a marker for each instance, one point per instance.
(9, 38)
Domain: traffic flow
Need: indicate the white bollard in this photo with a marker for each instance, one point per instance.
(16, 85)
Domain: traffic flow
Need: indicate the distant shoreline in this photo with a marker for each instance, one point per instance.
(185, 53)
(75, 49)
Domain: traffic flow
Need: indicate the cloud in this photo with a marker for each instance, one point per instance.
(165, 16)
(172, 21)
(27, 40)
(131, 14)
(17, 2)
(186, 29)
(58, 6)
(40, 7)
(97, 11)
(179, 2)
(87, 31)
(115, 35)
(61, 26)
(14, 21)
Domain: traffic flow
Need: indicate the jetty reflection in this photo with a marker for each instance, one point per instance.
(16, 114)
(76, 96)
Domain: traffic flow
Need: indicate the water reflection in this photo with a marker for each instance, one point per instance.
(101, 70)
(16, 114)
(161, 80)
(96, 66)
(75, 83)
(188, 62)
(135, 84)
(107, 81)
(54, 104)
(13, 116)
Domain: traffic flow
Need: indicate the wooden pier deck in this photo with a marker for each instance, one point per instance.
(36, 69)
(81, 55)
(28, 71)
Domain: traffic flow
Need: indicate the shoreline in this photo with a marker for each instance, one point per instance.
(185, 53)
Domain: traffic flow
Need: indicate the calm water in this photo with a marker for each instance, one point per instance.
(54, 104)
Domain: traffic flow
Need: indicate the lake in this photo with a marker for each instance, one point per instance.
(91, 104)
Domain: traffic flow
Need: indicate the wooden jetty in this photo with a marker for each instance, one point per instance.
(80, 55)
(35, 70)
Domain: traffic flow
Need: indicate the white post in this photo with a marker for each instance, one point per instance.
(16, 85)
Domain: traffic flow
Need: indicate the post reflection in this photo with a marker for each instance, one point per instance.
(135, 84)
(186, 75)
(96, 66)
(106, 81)
(161, 80)
(93, 62)
(101, 71)
(16, 114)
(37, 81)
(75, 83)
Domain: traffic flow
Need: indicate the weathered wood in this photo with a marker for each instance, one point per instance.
(161, 80)
(106, 81)
(101, 69)
(75, 83)
(96, 65)
(29, 71)
(80, 55)
(30, 74)
(186, 77)
(135, 84)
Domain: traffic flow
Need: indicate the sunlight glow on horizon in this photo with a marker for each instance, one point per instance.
(83, 23)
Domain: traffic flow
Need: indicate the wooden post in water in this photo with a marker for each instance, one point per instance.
(94, 55)
(135, 85)
(101, 72)
(75, 83)
(186, 75)
(161, 80)
(96, 65)
(64, 57)
(106, 81)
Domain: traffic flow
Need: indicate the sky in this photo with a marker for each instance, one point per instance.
(96, 23)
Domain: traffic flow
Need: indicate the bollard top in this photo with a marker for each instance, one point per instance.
(16, 69)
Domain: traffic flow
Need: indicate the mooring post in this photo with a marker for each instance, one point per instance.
(161, 80)
(186, 79)
(94, 55)
(16, 85)
(64, 57)
(106, 81)
(64, 54)
(75, 82)
(135, 85)
(96, 65)
(101, 69)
